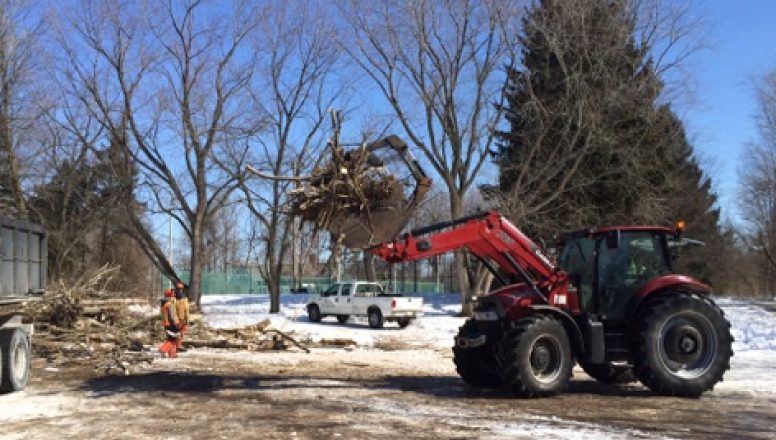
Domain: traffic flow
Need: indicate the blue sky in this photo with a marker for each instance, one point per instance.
(721, 122)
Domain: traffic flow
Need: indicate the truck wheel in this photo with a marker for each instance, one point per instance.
(15, 359)
(609, 373)
(404, 322)
(375, 317)
(534, 357)
(342, 318)
(477, 366)
(314, 313)
(681, 345)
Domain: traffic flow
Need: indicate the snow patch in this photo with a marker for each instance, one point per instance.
(25, 406)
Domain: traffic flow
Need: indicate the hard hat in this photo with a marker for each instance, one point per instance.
(169, 293)
(179, 285)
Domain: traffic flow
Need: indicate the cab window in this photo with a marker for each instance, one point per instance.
(368, 290)
(346, 289)
(331, 291)
(639, 258)
(577, 259)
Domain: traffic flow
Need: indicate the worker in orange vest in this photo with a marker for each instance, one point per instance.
(182, 309)
(171, 325)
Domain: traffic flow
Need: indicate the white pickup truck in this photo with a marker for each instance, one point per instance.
(361, 298)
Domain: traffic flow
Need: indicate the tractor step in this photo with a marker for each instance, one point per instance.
(616, 345)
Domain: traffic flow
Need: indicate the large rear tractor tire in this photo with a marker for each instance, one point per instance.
(535, 357)
(609, 373)
(477, 366)
(681, 344)
(314, 313)
(14, 359)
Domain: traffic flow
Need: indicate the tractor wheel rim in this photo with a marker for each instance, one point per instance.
(546, 359)
(688, 345)
(19, 362)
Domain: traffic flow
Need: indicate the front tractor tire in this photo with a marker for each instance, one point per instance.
(682, 345)
(535, 357)
(477, 366)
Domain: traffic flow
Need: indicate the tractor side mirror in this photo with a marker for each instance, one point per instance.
(613, 239)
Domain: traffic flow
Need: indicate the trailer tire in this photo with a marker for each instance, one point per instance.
(15, 360)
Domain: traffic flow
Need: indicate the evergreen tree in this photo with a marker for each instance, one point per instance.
(589, 142)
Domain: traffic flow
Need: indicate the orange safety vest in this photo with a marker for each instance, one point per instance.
(169, 315)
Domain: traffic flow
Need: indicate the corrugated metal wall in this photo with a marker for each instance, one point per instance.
(22, 257)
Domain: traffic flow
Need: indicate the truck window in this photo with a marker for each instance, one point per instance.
(346, 289)
(369, 290)
(331, 291)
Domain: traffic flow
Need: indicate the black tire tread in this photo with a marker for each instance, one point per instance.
(381, 320)
(649, 376)
(508, 359)
(7, 336)
(310, 307)
(468, 361)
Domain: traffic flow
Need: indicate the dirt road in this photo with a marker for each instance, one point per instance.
(363, 393)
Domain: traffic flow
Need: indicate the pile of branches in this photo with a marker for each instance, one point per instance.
(351, 184)
(82, 324)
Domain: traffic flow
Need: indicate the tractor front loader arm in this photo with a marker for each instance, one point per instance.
(491, 238)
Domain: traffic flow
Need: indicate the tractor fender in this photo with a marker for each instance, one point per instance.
(667, 283)
(571, 326)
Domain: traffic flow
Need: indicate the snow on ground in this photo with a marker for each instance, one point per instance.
(753, 328)
(435, 329)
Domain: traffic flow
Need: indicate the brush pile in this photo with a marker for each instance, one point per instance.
(82, 324)
(353, 183)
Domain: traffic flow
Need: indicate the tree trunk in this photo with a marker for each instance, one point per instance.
(456, 211)
(195, 272)
(369, 266)
(273, 285)
(6, 141)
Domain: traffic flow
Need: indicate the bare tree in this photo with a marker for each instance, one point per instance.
(20, 111)
(439, 66)
(169, 83)
(293, 91)
(757, 191)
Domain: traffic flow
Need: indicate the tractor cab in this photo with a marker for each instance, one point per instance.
(609, 266)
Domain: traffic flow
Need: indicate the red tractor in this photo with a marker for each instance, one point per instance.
(612, 304)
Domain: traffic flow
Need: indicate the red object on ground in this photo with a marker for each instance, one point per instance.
(169, 349)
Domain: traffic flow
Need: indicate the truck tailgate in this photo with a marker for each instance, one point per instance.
(407, 304)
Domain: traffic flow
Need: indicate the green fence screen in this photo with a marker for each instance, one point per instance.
(245, 283)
